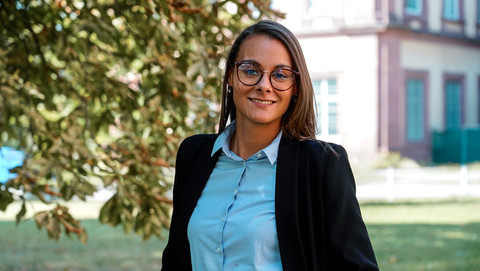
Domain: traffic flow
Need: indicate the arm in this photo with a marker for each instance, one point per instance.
(348, 244)
(170, 258)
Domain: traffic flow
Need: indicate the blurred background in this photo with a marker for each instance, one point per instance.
(97, 95)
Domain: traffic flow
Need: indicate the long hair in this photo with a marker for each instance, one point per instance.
(299, 119)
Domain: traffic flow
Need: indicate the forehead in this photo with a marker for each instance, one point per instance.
(265, 50)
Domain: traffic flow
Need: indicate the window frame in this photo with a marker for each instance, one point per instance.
(446, 16)
(414, 11)
(477, 18)
(419, 117)
(478, 13)
(323, 100)
(418, 149)
(461, 79)
(459, 7)
(414, 18)
(478, 101)
(413, 146)
(454, 27)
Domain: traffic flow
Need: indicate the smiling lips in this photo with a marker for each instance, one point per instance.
(261, 101)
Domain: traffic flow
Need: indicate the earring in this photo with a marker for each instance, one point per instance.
(294, 98)
(229, 89)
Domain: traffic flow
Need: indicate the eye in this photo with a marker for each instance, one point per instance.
(281, 74)
(249, 70)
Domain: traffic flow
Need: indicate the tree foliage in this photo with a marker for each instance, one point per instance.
(98, 94)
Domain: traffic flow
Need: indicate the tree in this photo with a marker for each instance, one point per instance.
(98, 94)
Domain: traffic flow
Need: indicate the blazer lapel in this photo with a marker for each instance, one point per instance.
(286, 204)
(201, 169)
(198, 179)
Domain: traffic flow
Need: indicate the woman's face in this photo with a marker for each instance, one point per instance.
(261, 104)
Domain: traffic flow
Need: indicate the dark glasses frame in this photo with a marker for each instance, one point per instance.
(295, 74)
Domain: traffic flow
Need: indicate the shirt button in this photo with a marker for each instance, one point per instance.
(218, 250)
(235, 191)
(259, 155)
(223, 219)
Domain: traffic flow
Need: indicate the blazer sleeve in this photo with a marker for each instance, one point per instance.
(348, 243)
(171, 260)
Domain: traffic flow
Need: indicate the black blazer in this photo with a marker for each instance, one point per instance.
(319, 225)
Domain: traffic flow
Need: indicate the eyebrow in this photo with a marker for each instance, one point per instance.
(251, 61)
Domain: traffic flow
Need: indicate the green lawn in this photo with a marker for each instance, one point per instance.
(25, 248)
(406, 236)
(425, 236)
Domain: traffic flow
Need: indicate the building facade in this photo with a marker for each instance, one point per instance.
(388, 74)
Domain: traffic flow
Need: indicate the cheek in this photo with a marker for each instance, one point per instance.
(288, 103)
(235, 94)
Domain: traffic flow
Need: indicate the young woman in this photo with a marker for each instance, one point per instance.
(264, 194)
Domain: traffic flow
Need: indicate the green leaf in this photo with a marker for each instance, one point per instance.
(41, 219)
(105, 100)
(21, 213)
(5, 199)
(83, 237)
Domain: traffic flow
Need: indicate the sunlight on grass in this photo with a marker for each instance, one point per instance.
(440, 236)
(26, 248)
(445, 212)
(426, 235)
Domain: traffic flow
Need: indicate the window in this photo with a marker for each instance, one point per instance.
(453, 104)
(415, 110)
(326, 97)
(451, 10)
(478, 102)
(413, 7)
(478, 12)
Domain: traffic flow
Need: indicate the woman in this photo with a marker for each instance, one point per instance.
(263, 194)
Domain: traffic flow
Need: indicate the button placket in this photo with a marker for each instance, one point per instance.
(224, 218)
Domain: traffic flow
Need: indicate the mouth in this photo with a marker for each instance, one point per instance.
(261, 101)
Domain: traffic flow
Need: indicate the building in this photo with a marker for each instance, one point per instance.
(388, 74)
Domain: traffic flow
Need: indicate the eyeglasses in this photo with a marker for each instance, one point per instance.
(250, 74)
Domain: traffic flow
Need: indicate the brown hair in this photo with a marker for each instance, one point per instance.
(299, 120)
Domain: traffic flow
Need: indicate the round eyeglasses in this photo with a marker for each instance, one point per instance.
(250, 74)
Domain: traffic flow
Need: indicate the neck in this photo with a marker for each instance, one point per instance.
(249, 139)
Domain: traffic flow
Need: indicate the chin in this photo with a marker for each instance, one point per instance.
(264, 121)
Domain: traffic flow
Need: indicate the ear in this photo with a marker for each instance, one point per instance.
(230, 78)
(295, 90)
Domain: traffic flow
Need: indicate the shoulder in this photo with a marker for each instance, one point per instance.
(194, 147)
(197, 143)
(319, 147)
(199, 139)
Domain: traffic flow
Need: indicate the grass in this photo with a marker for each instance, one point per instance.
(26, 248)
(425, 235)
(439, 236)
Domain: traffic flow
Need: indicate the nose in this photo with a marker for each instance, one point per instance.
(264, 84)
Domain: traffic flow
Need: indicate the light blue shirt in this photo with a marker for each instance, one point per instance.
(233, 225)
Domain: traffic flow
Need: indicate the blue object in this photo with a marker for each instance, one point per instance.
(233, 226)
(9, 158)
(456, 146)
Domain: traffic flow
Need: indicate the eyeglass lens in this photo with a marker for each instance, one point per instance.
(250, 74)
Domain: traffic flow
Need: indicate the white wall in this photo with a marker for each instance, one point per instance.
(471, 17)
(326, 15)
(353, 62)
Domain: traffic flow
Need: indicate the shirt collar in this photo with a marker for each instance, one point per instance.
(223, 142)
